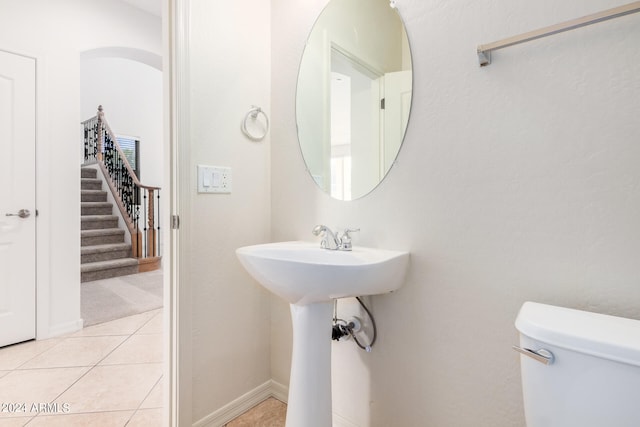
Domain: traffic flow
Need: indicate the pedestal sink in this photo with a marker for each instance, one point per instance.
(310, 278)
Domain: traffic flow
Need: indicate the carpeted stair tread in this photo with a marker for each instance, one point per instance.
(108, 269)
(98, 217)
(96, 208)
(96, 249)
(103, 232)
(90, 184)
(98, 222)
(101, 236)
(88, 173)
(108, 265)
(96, 204)
(104, 252)
(93, 196)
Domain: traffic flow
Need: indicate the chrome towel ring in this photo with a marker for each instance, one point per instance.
(253, 114)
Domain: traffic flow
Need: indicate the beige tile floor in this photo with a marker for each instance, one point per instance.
(105, 375)
(270, 413)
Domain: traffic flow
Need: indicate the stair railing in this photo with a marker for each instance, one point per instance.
(139, 204)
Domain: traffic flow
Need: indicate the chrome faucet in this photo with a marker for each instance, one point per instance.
(345, 239)
(334, 241)
(329, 239)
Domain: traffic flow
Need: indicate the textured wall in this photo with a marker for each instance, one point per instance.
(519, 181)
(230, 71)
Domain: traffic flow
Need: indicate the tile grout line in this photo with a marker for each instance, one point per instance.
(80, 413)
(159, 379)
(91, 368)
(20, 368)
(143, 400)
(147, 322)
(60, 341)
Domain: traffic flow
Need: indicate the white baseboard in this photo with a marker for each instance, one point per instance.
(248, 400)
(279, 391)
(339, 421)
(243, 403)
(64, 328)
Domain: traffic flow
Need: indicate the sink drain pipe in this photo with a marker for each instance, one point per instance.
(341, 328)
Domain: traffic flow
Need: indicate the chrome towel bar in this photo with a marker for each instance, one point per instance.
(484, 50)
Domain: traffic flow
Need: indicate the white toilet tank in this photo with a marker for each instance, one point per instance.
(593, 379)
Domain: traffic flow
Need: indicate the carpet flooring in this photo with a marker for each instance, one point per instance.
(110, 299)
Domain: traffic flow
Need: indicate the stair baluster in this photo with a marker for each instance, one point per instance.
(101, 147)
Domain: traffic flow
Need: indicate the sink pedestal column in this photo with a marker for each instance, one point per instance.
(310, 383)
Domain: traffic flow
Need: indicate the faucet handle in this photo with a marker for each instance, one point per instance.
(345, 239)
(319, 229)
(346, 232)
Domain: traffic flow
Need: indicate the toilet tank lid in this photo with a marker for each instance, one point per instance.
(600, 335)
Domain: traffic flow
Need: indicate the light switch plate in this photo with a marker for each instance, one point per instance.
(214, 179)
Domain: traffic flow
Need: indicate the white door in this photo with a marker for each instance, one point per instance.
(397, 95)
(17, 199)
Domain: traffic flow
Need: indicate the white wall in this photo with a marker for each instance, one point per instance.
(131, 94)
(55, 33)
(230, 71)
(516, 182)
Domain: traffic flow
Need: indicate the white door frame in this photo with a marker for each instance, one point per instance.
(177, 321)
(177, 317)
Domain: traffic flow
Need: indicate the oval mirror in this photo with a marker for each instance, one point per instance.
(353, 96)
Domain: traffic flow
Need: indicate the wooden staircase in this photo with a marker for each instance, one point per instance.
(104, 253)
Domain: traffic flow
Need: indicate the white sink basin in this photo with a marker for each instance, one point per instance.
(303, 273)
(310, 278)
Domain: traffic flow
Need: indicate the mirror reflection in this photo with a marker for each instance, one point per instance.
(353, 96)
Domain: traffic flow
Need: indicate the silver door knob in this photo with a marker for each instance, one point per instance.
(22, 213)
